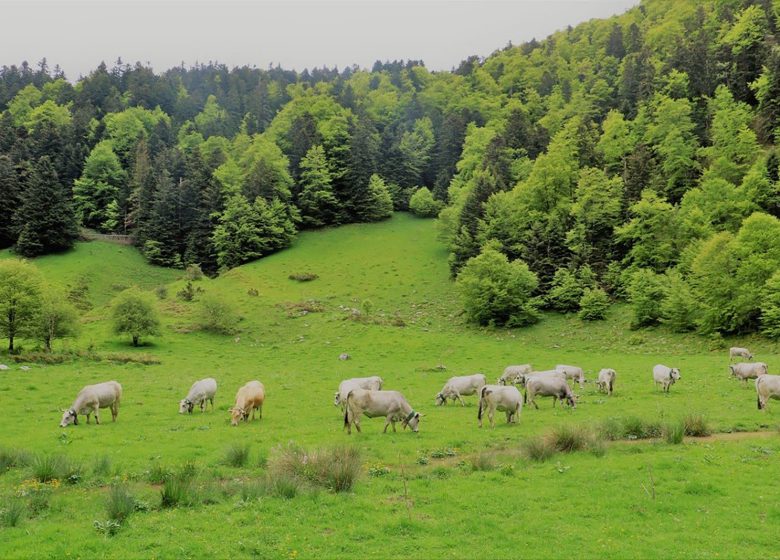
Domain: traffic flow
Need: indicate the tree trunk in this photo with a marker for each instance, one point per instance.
(10, 343)
(135, 340)
(47, 342)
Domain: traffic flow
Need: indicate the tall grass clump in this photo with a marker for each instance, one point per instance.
(120, 504)
(12, 458)
(46, 468)
(674, 432)
(568, 439)
(292, 466)
(237, 455)
(102, 466)
(483, 461)
(178, 489)
(538, 449)
(12, 513)
(696, 425)
(630, 427)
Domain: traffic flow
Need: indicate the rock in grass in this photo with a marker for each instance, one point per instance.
(4, 367)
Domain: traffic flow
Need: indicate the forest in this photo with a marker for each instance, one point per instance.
(631, 158)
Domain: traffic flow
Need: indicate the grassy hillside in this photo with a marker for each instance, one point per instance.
(600, 503)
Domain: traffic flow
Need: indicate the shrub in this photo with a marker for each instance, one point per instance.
(193, 272)
(216, 315)
(400, 196)
(674, 432)
(770, 307)
(237, 455)
(498, 292)
(679, 309)
(696, 425)
(303, 276)
(133, 313)
(161, 292)
(39, 499)
(158, 474)
(593, 305)
(120, 503)
(188, 292)
(12, 512)
(646, 293)
(375, 202)
(424, 205)
(565, 291)
(538, 449)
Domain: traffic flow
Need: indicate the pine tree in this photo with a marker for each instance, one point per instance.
(374, 202)
(45, 220)
(162, 245)
(363, 156)
(316, 201)
(10, 194)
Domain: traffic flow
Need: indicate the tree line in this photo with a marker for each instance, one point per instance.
(618, 159)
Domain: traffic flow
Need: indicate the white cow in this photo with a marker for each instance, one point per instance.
(745, 370)
(200, 392)
(91, 399)
(457, 387)
(249, 398)
(390, 404)
(767, 387)
(500, 397)
(554, 386)
(573, 372)
(665, 376)
(373, 383)
(546, 373)
(737, 352)
(606, 380)
(512, 374)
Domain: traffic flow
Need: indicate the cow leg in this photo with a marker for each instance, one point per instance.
(260, 411)
(114, 412)
(356, 420)
(462, 403)
(491, 415)
(88, 415)
(97, 416)
(533, 401)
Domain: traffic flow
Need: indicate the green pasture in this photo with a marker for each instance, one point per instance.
(387, 300)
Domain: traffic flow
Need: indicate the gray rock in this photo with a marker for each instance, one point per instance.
(3, 367)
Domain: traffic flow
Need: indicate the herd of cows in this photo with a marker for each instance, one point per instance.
(363, 396)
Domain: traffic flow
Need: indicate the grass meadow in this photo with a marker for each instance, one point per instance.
(160, 484)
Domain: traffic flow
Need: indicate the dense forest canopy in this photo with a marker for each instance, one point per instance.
(632, 157)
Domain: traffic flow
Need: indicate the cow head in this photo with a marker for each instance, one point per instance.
(733, 372)
(440, 399)
(185, 405)
(413, 421)
(674, 375)
(69, 417)
(236, 415)
(337, 399)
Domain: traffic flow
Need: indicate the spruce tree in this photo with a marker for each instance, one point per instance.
(45, 220)
(316, 201)
(10, 194)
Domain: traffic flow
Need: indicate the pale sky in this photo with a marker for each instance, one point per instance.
(296, 34)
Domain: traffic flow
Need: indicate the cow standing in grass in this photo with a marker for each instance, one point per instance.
(554, 386)
(500, 397)
(737, 352)
(665, 376)
(745, 370)
(512, 374)
(606, 380)
(91, 399)
(249, 398)
(373, 383)
(200, 392)
(767, 387)
(457, 387)
(390, 404)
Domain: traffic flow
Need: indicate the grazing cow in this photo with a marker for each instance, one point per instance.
(200, 392)
(249, 398)
(573, 372)
(554, 386)
(665, 376)
(745, 370)
(546, 373)
(500, 397)
(767, 387)
(456, 387)
(373, 383)
(737, 352)
(606, 380)
(91, 399)
(390, 404)
(512, 374)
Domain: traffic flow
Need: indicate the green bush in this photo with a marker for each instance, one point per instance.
(593, 305)
(134, 313)
(565, 291)
(674, 432)
(568, 439)
(679, 309)
(770, 307)
(646, 293)
(216, 315)
(424, 205)
(495, 291)
(176, 491)
(696, 425)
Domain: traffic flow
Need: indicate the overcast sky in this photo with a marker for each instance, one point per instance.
(296, 34)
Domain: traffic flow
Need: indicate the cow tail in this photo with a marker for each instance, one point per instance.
(758, 401)
(346, 410)
(481, 396)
